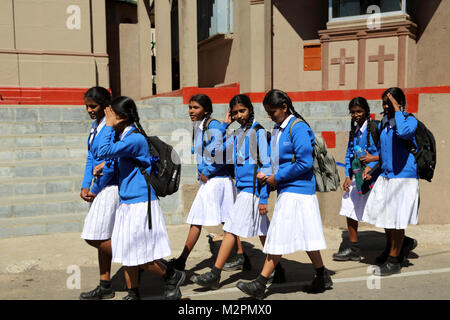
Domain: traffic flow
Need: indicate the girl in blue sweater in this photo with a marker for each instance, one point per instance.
(134, 245)
(356, 188)
(248, 217)
(103, 196)
(296, 223)
(394, 200)
(216, 194)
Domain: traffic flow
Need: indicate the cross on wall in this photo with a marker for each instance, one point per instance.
(342, 61)
(381, 58)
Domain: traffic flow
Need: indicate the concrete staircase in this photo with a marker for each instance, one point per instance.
(43, 154)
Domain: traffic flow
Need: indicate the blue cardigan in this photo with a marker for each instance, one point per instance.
(350, 154)
(296, 177)
(396, 160)
(132, 184)
(210, 161)
(244, 164)
(109, 176)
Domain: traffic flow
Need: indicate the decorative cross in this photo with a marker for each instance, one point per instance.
(342, 61)
(381, 58)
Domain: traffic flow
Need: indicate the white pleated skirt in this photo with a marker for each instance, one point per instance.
(393, 203)
(213, 202)
(244, 219)
(296, 225)
(132, 242)
(353, 203)
(99, 222)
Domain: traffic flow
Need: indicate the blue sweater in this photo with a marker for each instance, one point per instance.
(132, 185)
(296, 177)
(244, 163)
(109, 176)
(210, 158)
(350, 155)
(396, 160)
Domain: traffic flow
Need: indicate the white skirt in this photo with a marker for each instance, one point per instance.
(132, 242)
(99, 222)
(296, 225)
(353, 203)
(245, 221)
(213, 202)
(393, 203)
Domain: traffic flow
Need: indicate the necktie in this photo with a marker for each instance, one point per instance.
(93, 134)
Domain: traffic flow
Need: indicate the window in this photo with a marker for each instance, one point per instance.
(352, 8)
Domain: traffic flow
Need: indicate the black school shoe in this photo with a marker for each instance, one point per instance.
(408, 245)
(390, 267)
(98, 293)
(172, 286)
(241, 262)
(350, 252)
(176, 263)
(132, 295)
(207, 280)
(254, 289)
(320, 283)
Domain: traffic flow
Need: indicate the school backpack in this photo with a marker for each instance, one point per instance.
(425, 153)
(324, 168)
(229, 166)
(166, 171)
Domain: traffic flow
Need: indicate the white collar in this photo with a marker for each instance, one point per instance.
(254, 120)
(98, 125)
(363, 127)
(286, 121)
(201, 124)
(124, 133)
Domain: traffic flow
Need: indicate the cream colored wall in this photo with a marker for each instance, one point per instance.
(351, 70)
(257, 48)
(433, 47)
(411, 63)
(390, 67)
(435, 196)
(45, 52)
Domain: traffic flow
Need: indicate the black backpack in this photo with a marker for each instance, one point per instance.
(166, 172)
(425, 153)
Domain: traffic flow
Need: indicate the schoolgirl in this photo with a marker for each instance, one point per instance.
(216, 194)
(356, 188)
(134, 244)
(296, 223)
(248, 217)
(103, 196)
(394, 200)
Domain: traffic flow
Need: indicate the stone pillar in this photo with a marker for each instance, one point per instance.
(145, 45)
(187, 18)
(242, 8)
(268, 44)
(163, 46)
(99, 43)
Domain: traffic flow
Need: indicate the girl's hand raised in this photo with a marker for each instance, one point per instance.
(228, 118)
(111, 118)
(394, 102)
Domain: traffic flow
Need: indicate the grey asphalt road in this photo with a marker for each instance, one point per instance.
(61, 266)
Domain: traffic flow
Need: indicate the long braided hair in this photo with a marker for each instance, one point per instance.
(206, 103)
(276, 99)
(99, 95)
(125, 107)
(360, 102)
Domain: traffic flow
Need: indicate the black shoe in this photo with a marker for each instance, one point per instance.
(350, 252)
(382, 258)
(241, 262)
(98, 294)
(320, 283)
(277, 276)
(172, 286)
(391, 266)
(254, 289)
(176, 263)
(207, 280)
(132, 295)
(409, 244)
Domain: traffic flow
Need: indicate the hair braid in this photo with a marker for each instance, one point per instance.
(368, 131)
(250, 119)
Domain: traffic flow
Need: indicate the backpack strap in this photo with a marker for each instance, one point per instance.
(296, 120)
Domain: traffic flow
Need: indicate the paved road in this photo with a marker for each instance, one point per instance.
(48, 268)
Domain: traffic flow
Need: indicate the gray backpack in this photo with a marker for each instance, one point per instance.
(324, 168)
